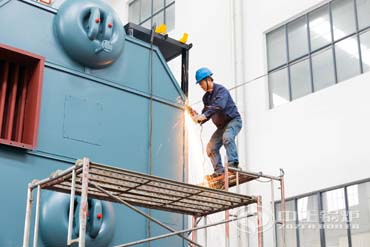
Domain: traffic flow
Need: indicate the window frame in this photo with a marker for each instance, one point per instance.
(313, 52)
(319, 194)
(166, 5)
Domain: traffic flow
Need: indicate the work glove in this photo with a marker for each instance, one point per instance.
(200, 118)
(191, 111)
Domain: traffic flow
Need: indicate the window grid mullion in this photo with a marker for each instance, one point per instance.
(156, 13)
(151, 16)
(365, 29)
(309, 52)
(321, 221)
(320, 204)
(358, 36)
(322, 48)
(164, 12)
(297, 221)
(349, 234)
(140, 11)
(288, 66)
(332, 42)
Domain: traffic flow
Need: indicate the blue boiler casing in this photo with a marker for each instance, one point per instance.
(101, 113)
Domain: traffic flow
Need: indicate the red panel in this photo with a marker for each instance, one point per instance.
(20, 96)
(11, 105)
(18, 55)
(3, 87)
(32, 110)
(21, 107)
(17, 144)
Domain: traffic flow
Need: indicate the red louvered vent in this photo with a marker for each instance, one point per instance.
(20, 94)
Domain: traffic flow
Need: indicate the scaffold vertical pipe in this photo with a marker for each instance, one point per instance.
(205, 232)
(194, 232)
(37, 217)
(27, 224)
(259, 221)
(71, 208)
(239, 237)
(283, 208)
(227, 213)
(84, 206)
(273, 213)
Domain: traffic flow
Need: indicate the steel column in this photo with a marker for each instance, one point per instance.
(185, 71)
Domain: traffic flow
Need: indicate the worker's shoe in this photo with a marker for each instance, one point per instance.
(234, 164)
(217, 173)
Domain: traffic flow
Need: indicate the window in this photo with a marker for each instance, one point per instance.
(334, 218)
(149, 12)
(301, 78)
(308, 218)
(323, 69)
(278, 82)
(337, 217)
(363, 9)
(365, 50)
(359, 213)
(291, 226)
(297, 38)
(323, 47)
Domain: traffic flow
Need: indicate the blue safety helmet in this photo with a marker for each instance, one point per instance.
(202, 73)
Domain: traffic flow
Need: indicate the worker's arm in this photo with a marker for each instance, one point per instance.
(219, 103)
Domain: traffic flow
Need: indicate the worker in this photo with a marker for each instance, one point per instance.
(220, 107)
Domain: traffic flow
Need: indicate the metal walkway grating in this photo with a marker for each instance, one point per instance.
(148, 191)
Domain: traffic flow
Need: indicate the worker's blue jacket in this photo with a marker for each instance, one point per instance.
(219, 106)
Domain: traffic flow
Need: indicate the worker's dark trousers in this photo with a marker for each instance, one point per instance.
(226, 137)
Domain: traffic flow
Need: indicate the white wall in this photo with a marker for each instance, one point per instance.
(120, 6)
(321, 140)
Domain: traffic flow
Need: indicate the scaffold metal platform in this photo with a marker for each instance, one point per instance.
(132, 189)
(149, 191)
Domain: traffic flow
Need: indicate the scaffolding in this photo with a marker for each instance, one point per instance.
(132, 189)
